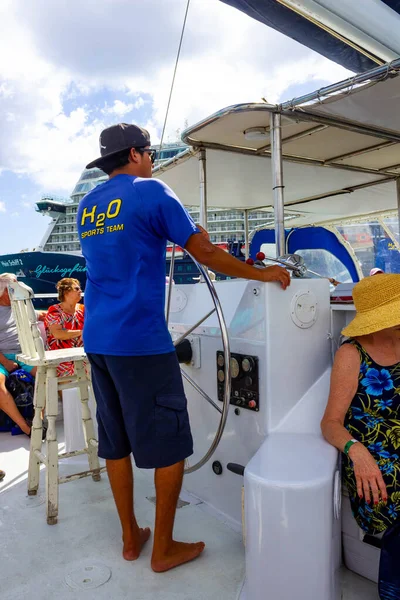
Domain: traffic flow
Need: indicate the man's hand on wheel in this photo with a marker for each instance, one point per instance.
(276, 273)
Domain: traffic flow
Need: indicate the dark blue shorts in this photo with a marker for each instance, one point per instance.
(141, 408)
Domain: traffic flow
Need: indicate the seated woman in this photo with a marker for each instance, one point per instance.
(64, 321)
(362, 418)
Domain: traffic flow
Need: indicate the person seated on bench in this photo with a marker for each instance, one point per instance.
(9, 348)
(362, 418)
(64, 321)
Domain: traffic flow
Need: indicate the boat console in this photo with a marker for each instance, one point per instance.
(280, 349)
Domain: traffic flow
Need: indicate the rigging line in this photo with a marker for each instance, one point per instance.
(174, 75)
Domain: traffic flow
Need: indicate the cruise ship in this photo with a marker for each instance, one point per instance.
(59, 254)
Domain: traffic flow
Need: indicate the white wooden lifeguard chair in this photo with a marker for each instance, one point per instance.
(47, 386)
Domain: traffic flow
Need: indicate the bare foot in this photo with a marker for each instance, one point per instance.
(178, 554)
(135, 543)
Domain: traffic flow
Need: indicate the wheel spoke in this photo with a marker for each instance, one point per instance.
(201, 392)
(171, 278)
(184, 335)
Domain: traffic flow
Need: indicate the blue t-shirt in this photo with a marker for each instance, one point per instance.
(123, 226)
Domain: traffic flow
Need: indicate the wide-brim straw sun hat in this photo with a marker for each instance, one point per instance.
(377, 302)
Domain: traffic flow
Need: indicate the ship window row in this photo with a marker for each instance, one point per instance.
(233, 227)
(62, 247)
(83, 188)
(93, 174)
(56, 239)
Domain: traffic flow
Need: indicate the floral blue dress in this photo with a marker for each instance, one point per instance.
(373, 419)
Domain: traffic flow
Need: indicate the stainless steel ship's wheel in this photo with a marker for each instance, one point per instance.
(225, 342)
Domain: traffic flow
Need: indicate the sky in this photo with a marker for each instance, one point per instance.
(72, 67)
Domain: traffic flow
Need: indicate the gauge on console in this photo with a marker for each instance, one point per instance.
(247, 364)
(221, 376)
(235, 369)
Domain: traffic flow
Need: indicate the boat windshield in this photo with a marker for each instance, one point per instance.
(375, 243)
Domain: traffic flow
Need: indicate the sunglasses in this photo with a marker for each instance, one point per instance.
(150, 151)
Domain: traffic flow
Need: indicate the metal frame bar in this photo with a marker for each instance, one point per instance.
(373, 74)
(246, 232)
(360, 152)
(348, 190)
(297, 159)
(203, 187)
(289, 112)
(178, 158)
(390, 167)
(277, 183)
(294, 137)
(303, 115)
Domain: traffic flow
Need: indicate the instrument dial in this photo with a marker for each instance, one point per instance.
(221, 376)
(235, 369)
(220, 360)
(247, 364)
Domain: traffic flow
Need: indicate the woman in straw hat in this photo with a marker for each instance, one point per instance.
(362, 418)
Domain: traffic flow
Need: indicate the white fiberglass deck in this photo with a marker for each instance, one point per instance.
(38, 557)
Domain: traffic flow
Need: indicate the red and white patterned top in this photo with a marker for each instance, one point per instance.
(57, 316)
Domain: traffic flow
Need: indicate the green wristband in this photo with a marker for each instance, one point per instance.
(349, 444)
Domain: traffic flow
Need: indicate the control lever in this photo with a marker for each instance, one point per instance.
(292, 262)
(235, 468)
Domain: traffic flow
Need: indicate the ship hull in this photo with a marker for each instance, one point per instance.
(42, 270)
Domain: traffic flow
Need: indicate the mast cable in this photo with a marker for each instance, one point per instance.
(174, 75)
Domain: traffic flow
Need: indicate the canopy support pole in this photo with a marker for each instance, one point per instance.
(246, 233)
(277, 182)
(203, 188)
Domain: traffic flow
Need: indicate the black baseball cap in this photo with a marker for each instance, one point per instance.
(120, 137)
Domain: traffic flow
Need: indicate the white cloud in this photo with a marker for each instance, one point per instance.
(120, 108)
(123, 50)
(2, 206)
(15, 215)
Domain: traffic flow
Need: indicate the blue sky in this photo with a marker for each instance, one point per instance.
(73, 68)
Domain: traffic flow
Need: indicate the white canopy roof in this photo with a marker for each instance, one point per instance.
(341, 154)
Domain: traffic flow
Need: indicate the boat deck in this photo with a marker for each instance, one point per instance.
(84, 548)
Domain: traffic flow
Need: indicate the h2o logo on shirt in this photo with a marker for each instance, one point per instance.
(99, 219)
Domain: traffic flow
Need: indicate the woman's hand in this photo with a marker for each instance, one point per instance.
(9, 365)
(368, 475)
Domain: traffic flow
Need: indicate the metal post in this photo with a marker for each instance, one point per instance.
(398, 204)
(246, 233)
(170, 283)
(203, 188)
(277, 182)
